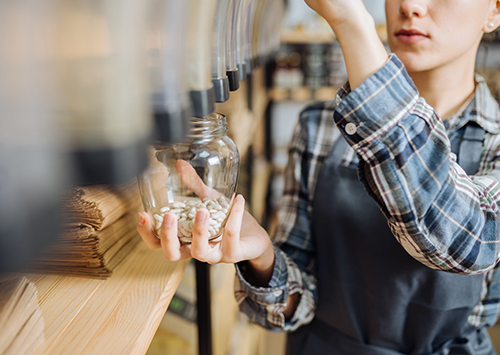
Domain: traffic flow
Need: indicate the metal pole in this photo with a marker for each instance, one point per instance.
(203, 305)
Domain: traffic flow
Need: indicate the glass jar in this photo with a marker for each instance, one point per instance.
(201, 171)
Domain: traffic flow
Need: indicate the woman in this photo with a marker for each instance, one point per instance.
(389, 239)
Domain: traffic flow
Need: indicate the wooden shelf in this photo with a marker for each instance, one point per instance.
(325, 36)
(298, 36)
(118, 315)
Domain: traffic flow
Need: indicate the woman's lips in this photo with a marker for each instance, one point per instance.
(410, 36)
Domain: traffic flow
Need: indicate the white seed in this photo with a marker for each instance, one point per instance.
(184, 231)
(218, 214)
(185, 213)
(184, 239)
(223, 202)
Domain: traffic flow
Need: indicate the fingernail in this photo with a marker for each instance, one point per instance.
(239, 199)
(168, 220)
(141, 218)
(200, 216)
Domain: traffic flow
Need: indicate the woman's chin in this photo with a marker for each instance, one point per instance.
(413, 63)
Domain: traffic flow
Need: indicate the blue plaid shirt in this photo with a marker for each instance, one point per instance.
(444, 218)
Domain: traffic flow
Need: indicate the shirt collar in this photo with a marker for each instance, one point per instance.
(482, 108)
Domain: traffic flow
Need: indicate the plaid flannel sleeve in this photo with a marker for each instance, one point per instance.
(442, 217)
(265, 305)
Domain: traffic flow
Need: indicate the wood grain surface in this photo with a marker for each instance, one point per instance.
(119, 315)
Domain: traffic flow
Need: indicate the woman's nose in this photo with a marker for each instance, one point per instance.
(413, 8)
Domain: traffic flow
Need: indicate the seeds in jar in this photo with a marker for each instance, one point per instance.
(185, 212)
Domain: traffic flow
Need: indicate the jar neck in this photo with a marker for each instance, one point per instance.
(202, 129)
(207, 128)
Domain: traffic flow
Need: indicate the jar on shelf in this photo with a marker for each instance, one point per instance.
(200, 172)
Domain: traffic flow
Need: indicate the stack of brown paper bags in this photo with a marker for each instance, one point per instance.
(21, 321)
(100, 232)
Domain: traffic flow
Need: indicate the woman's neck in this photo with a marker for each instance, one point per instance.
(446, 90)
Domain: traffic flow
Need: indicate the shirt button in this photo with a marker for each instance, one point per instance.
(277, 293)
(350, 128)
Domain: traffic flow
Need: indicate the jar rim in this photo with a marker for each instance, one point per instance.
(201, 129)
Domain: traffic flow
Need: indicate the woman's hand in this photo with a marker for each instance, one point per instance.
(242, 239)
(192, 181)
(337, 12)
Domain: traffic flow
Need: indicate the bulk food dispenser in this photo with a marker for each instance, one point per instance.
(166, 48)
(249, 32)
(220, 79)
(231, 43)
(199, 37)
(268, 24)
(241, 37)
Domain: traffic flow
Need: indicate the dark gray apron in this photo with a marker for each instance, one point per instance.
(374, 298)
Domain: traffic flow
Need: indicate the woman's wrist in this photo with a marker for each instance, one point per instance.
(259, 271)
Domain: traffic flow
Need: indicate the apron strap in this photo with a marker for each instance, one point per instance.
(471, 148)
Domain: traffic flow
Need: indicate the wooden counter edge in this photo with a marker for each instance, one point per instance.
(119, 315)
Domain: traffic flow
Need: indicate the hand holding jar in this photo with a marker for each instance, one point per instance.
(242, 237)
(191, 210)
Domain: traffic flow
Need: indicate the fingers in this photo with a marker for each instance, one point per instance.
(200, 247)
(145, 231)
(170, 244)
(231, 237)
(192, 181)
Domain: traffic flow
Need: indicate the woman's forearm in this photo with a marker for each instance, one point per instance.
(355, 29)
(363, 51)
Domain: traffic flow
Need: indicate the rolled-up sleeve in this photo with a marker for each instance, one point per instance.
(265, 305)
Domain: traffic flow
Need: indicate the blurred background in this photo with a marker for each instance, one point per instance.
(86, 86)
